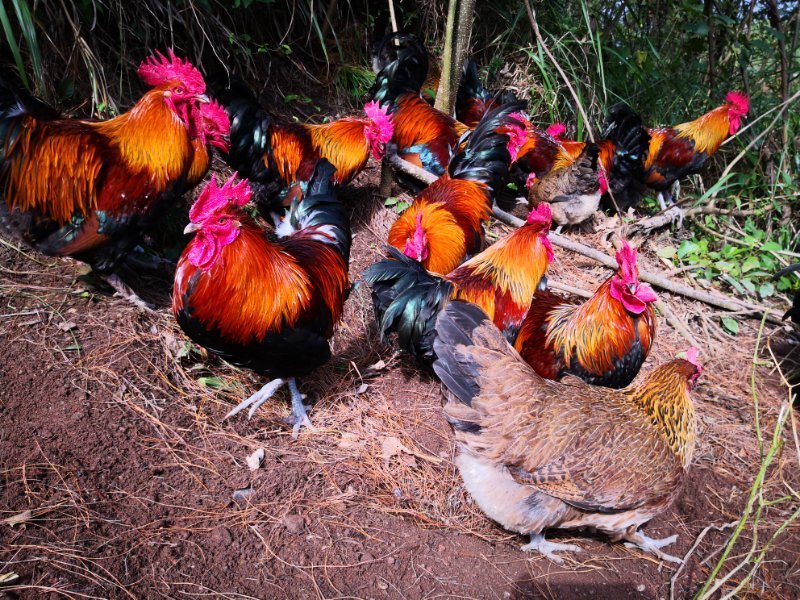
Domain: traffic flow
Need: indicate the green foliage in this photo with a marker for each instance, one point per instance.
(27, 29)
(396, 203)
(353, 81)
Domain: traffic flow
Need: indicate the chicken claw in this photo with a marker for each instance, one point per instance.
(257, 399)
(639, 540)
(299, 416)
(122, 290)
(539, 544)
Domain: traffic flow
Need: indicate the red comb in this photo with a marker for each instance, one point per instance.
(556, 130)
(159, 69)
(626, 259)
(739, 101)
(540, 214)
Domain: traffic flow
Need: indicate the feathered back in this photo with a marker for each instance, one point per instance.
(406, 73)
(624, 157)
(320, 214)
(469, 85)
(486, 157)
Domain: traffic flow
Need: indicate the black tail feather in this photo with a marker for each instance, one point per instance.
(405, 73)
(485, 157)
(624, 127)
(407, 299)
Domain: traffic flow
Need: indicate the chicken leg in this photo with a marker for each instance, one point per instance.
(299, 416)
(635, 538)
(539, 544)
(122, 290)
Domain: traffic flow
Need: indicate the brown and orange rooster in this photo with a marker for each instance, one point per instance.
(502, 280)
(604, 341)
(538, 454)
(83, 188)
(445, 222)
(424, 136)
(266, 305)
(472, 99)
(278, 158)
(681, 150)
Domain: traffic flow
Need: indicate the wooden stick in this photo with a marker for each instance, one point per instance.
(718, 300)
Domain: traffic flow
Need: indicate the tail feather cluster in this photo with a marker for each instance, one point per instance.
(624, 128)
(405, 73)
(486, 157)
(407, 299)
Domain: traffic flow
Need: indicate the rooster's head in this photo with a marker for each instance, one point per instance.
(625, 285)
(179, 80)
(738, 105)
(379, 129)
(217, 218)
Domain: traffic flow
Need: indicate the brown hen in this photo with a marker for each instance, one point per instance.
(536, 454)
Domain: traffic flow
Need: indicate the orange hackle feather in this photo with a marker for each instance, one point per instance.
(503, 278)
(343, 143)
(454, 212)
(595, 334)
(54, 165)
(273, 285)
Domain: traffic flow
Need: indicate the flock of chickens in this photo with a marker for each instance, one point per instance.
(516, 358)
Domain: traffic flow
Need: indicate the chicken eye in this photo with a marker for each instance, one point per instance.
(223, 220)
(178, 90)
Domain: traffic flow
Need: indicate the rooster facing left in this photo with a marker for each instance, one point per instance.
(259, 303)
(85, 189)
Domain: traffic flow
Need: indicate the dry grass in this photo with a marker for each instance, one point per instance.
(381, 445)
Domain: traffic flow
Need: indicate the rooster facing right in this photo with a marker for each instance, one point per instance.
(604, 341)
(537, 454)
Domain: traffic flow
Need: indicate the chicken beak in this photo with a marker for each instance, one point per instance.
(203, 99)
(191, 228)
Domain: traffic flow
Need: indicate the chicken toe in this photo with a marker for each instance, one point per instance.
(637, 539)
(257, 399)
(541, 545)
(299, 416)
(122, 290)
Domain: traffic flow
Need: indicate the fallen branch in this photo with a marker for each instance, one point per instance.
(725, 302)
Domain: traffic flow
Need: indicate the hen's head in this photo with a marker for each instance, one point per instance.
(212, 125)
(217, 218)
(181, 83)
(738, 106)
(625, 285)
(690, 365)
(379, 129)
(540, 219)
(417, 245)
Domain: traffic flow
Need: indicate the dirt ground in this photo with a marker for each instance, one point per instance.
(127, 482)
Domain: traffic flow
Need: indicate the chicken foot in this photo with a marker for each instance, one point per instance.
(123, 290)
(541, 545)
(636, 539)
(299, 416)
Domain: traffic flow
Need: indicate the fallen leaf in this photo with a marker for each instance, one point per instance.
(66, 326)
(20, 518)
(242, 494)
(255, 459)
(8, 577)
(350, 440)
(362, 388)
(391, 446)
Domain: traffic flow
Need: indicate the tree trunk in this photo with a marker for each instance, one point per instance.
(445, 81)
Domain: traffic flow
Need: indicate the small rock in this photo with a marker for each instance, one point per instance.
(390, 560)
(365, 557)
(242, 494)
(66, 326)
(640, 588)
(294, 523)
(506, 594)
(383, 585)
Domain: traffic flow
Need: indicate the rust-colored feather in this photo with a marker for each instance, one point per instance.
(343, 143)
(417, 123)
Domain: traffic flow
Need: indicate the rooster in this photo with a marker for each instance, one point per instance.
(266, 305)
(538, 454)
(604, 341)
(445, 221)
(501, 280)
(385, 50)
(581, 173)
(83, 188)
(423, 135)
(212, 130)
(279, 158)
(675, 152)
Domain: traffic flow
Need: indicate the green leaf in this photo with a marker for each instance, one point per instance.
(215, 383)
(730, 325)
(667, 252)
(290, 98)
(750, 263)
(391, 201)
(749, 285)
(771, 246)
(687, 247)
(723, 265)
(766, 290)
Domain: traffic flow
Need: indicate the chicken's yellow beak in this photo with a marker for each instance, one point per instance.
(202, 98)
(191, 228)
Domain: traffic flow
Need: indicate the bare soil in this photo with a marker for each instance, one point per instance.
(127, 482)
